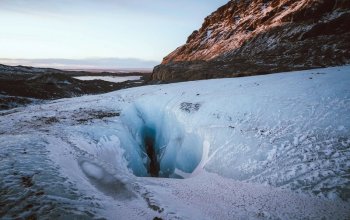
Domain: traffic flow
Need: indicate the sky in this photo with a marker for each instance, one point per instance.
(86, 33)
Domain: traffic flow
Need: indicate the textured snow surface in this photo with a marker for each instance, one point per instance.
(263, 147)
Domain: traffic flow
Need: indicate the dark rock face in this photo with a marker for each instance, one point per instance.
(250, 37)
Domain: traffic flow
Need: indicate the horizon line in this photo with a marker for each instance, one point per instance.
(110, 63)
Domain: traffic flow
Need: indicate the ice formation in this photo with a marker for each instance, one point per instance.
(175, 148)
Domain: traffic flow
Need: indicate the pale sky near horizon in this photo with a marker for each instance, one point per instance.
(80, 29)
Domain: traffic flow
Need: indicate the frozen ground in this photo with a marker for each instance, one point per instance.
(115, 79)
(263, 147)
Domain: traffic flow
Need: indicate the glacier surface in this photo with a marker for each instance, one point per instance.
(274, 146)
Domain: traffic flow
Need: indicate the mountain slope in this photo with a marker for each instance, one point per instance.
(249, 37)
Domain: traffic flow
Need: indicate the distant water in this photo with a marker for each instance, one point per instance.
(115, 79)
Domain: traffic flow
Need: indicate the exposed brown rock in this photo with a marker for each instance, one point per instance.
(249, 37)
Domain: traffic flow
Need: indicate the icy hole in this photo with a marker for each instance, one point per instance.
(163, 148)
(152, 153)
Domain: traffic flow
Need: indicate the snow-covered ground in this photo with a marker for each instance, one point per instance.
(115, 79)
(262, 147)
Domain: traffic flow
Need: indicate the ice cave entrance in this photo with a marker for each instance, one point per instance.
(157, 143)
(153, 165)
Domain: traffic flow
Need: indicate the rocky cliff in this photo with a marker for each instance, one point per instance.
(250, 37)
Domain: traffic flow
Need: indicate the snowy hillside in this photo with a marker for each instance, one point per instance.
(274, 146)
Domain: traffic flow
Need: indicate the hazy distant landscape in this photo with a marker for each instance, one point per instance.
(22, 85)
